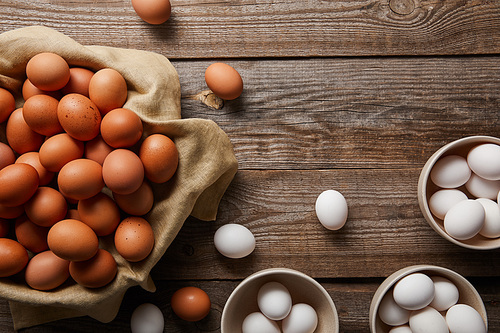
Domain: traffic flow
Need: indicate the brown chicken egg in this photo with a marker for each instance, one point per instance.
(153, 11)
(7, 156)
(72, 240)
(7, 104)
(4, 227)
(160, 158)
(48, 71)
(80, 179)
(11, 212)
(190, 303)
(46, 271)
(123, 171)
(46, 207)
(79, 117)
(58, 150)
(108, 90)
(33, 158)
(97, 149)
(30, 235)
(13, 257)
(95, 272)
(121, 128)
(18, 182)
(136, 203)
(134, 239)
(224, 81)
(78, 81)
(20, 136)
(40, 113)
(99, 212)
(30, 90)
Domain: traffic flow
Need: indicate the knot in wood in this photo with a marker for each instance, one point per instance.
(402, 7)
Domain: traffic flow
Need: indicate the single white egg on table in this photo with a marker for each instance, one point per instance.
(482, 188)
(274, 300)
(428, 320)
(484, 161)
(301, 319)
(147, 318)
(331, 209)
(451, 171)
(401, 329)
(391, 313)
(491, 227)
(445, 293)
(441, 201)
(234, 241)
(256, 322)
(464, 220)
(414, 291)
(462, 318)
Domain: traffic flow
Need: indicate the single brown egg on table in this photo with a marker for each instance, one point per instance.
(58, 150)
(72, 240)
(136, 203)
(20, 136)
(7, 104)
(33, 158)
(153, 11)
(4, 227)
(134, 239)
(46, 207)
(97, 149)
(30, 235)
(18, 182)
(80, 179)
(99, 212)
(79, 117)
(46, 271)
(48, 71)
(7, 156)
(79, 81)
(190, 303)
(160, 157)
(40, 113)
(108, 90)
(96, 272)
(123, 171)
(121, 128)
(13, 257)
(224, 81)
(30, 90)
(11, 212)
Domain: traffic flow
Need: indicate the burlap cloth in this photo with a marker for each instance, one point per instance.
(206, 167)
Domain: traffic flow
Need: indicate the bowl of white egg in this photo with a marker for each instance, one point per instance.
(458, 192)
(279, 300)
(426, 298)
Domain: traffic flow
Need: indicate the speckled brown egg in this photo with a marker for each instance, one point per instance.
(33, 158)
(30, 90)
(7, 156)
(134, 239)
(20, 136)
(18, 182)
(160, 158)
(80, 179)
(11, 212)
(46, 271)
(123, 171)
(40, 113)
(72, 240)
(121, 128)
(97, 149)
(13, 257)
(46, 207)
(108, 90)
(58, 150)
(79, 117)
(79, 81)
(224, 81)
(136, 203)
(48, 71)
(96, 272)
(99, 212)
(32, 236)
(7, 104)
(153, 11)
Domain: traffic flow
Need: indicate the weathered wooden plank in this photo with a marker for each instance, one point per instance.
(265, 28)
(350, 112)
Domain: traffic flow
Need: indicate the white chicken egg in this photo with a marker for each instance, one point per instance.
(462, 318)
(450, 171)
(465, 219)
(484, 160)
(274, 300)
(482, 188)
(234, 241)
(391, 313)
(301, 319)
(331, 209)
(491, 226)
(445, 293)
(256, 322)
(414, 291)
(441, 201)
(401, 329)
(147, 318)
(428, 320)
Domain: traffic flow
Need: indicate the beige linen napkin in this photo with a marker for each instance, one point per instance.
(207, 165)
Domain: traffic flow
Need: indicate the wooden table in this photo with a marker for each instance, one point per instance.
(345, 95)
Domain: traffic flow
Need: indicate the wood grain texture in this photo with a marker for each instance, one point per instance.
(285, 28)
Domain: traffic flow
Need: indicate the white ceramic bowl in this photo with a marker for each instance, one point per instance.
(467, 292)
(426, 188)
(303, 289)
